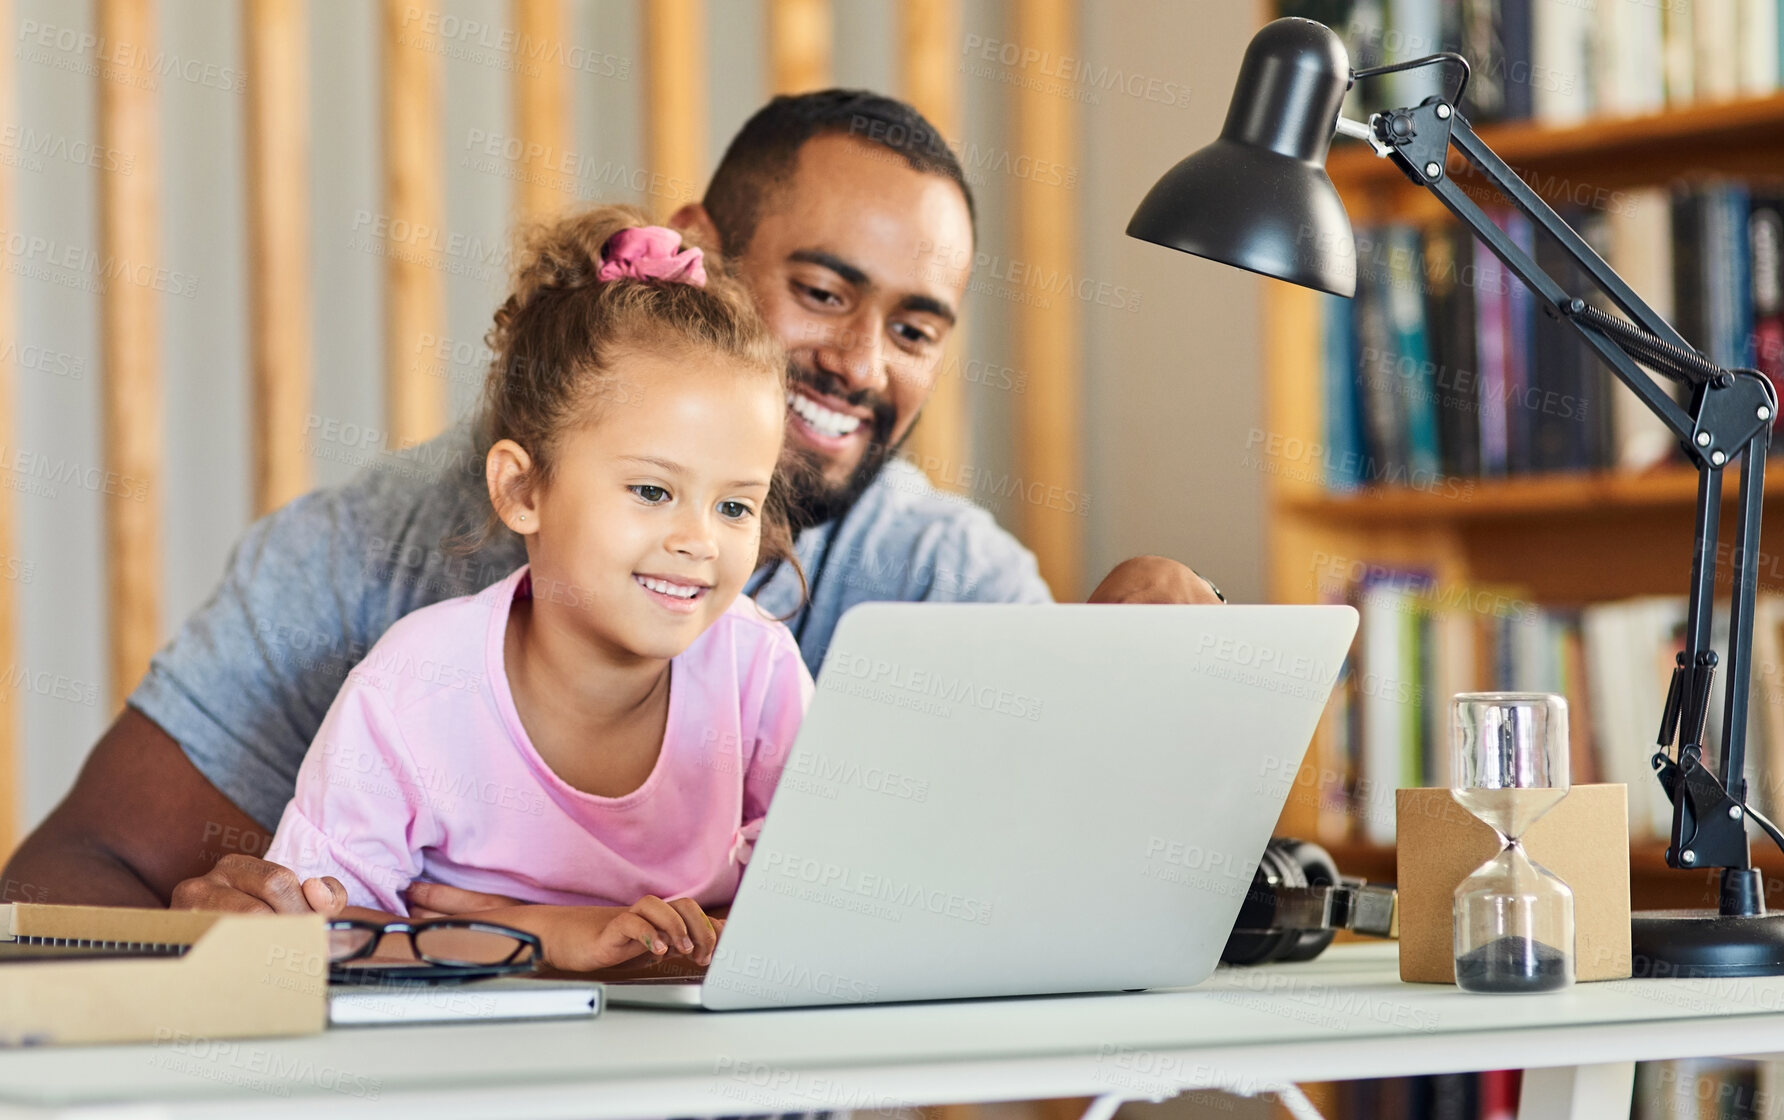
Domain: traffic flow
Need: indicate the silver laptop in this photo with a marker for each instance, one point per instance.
(990, 800)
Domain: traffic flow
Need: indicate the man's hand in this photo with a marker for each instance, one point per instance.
(244, 884)
(1153, 579)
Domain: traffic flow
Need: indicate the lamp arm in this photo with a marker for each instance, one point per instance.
(1441, 58)
(1730, 414)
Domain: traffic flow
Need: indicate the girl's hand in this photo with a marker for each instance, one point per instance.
(649, 927)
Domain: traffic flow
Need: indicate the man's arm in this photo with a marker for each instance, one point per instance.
(140, 819)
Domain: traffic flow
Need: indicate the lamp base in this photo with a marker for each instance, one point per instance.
(1701, 943)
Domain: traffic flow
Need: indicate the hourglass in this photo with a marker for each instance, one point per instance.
(1514, 920)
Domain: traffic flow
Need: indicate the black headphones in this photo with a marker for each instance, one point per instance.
(1298, 902)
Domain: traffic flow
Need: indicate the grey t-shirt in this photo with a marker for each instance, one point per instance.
(310, 587)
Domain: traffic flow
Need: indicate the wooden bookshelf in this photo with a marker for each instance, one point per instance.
(1587, 494)
(1566, 539)
(1572, 163)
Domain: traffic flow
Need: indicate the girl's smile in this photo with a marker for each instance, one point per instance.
(680, 596)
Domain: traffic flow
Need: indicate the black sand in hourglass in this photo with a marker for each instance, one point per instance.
(1512, 964)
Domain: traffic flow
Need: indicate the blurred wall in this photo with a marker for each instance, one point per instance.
(58, 528)
(1171, 385)
(1171, 391)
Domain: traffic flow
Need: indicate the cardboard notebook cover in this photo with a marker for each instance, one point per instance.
(1584, 840)
(242, 975)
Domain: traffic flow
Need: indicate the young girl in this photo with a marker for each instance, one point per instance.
(600, 731)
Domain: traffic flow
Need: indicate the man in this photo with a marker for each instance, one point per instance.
(823, 214)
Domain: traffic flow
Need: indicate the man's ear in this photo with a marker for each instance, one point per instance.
(693, 219)
(506, 471)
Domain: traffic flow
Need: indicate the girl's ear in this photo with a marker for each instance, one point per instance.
(506, 470)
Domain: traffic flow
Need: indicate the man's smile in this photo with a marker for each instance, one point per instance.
(823, 424)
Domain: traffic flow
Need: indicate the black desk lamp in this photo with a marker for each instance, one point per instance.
(1259, 198)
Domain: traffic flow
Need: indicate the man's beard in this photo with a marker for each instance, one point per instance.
(815, 498)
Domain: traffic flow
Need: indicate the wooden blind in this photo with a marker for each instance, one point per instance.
(542, 107)
(130, 340)
(415, 213)
(799, 38)
(276, 53)
(675, 94)
(9, 616)
(929, 38)
(1048, 454)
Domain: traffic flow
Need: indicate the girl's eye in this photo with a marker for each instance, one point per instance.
(650, 494)
(736, 511)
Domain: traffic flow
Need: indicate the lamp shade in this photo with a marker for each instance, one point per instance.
(1259, 197)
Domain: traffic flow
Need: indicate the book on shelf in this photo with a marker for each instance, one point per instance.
(1559, 61)
(1523, 399)
(1712, 272)
(1761, 35)
(1383, 391)
(1631, 79)
(1421, 640)
(1715, 46)
(1638, 244)
(1449, 368)
(1499, 1093)
(1563, 37)
(1489, 389)
(1677, 1089)
(1449, 309)
(1712, 1088)
(1491, 1095)
(1765, 246)
(1341, 410)
(1408, 338)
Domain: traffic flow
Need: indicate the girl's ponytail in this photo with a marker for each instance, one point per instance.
(561, 256)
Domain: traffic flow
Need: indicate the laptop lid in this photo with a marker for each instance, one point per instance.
(993, 800)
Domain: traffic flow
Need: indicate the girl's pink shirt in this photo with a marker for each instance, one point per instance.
(421, 770)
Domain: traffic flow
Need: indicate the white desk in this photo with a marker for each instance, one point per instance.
(1342, 1016)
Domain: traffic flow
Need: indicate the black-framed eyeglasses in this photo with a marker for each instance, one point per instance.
(444, 949)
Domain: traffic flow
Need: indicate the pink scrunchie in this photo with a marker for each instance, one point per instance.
(651, 253)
